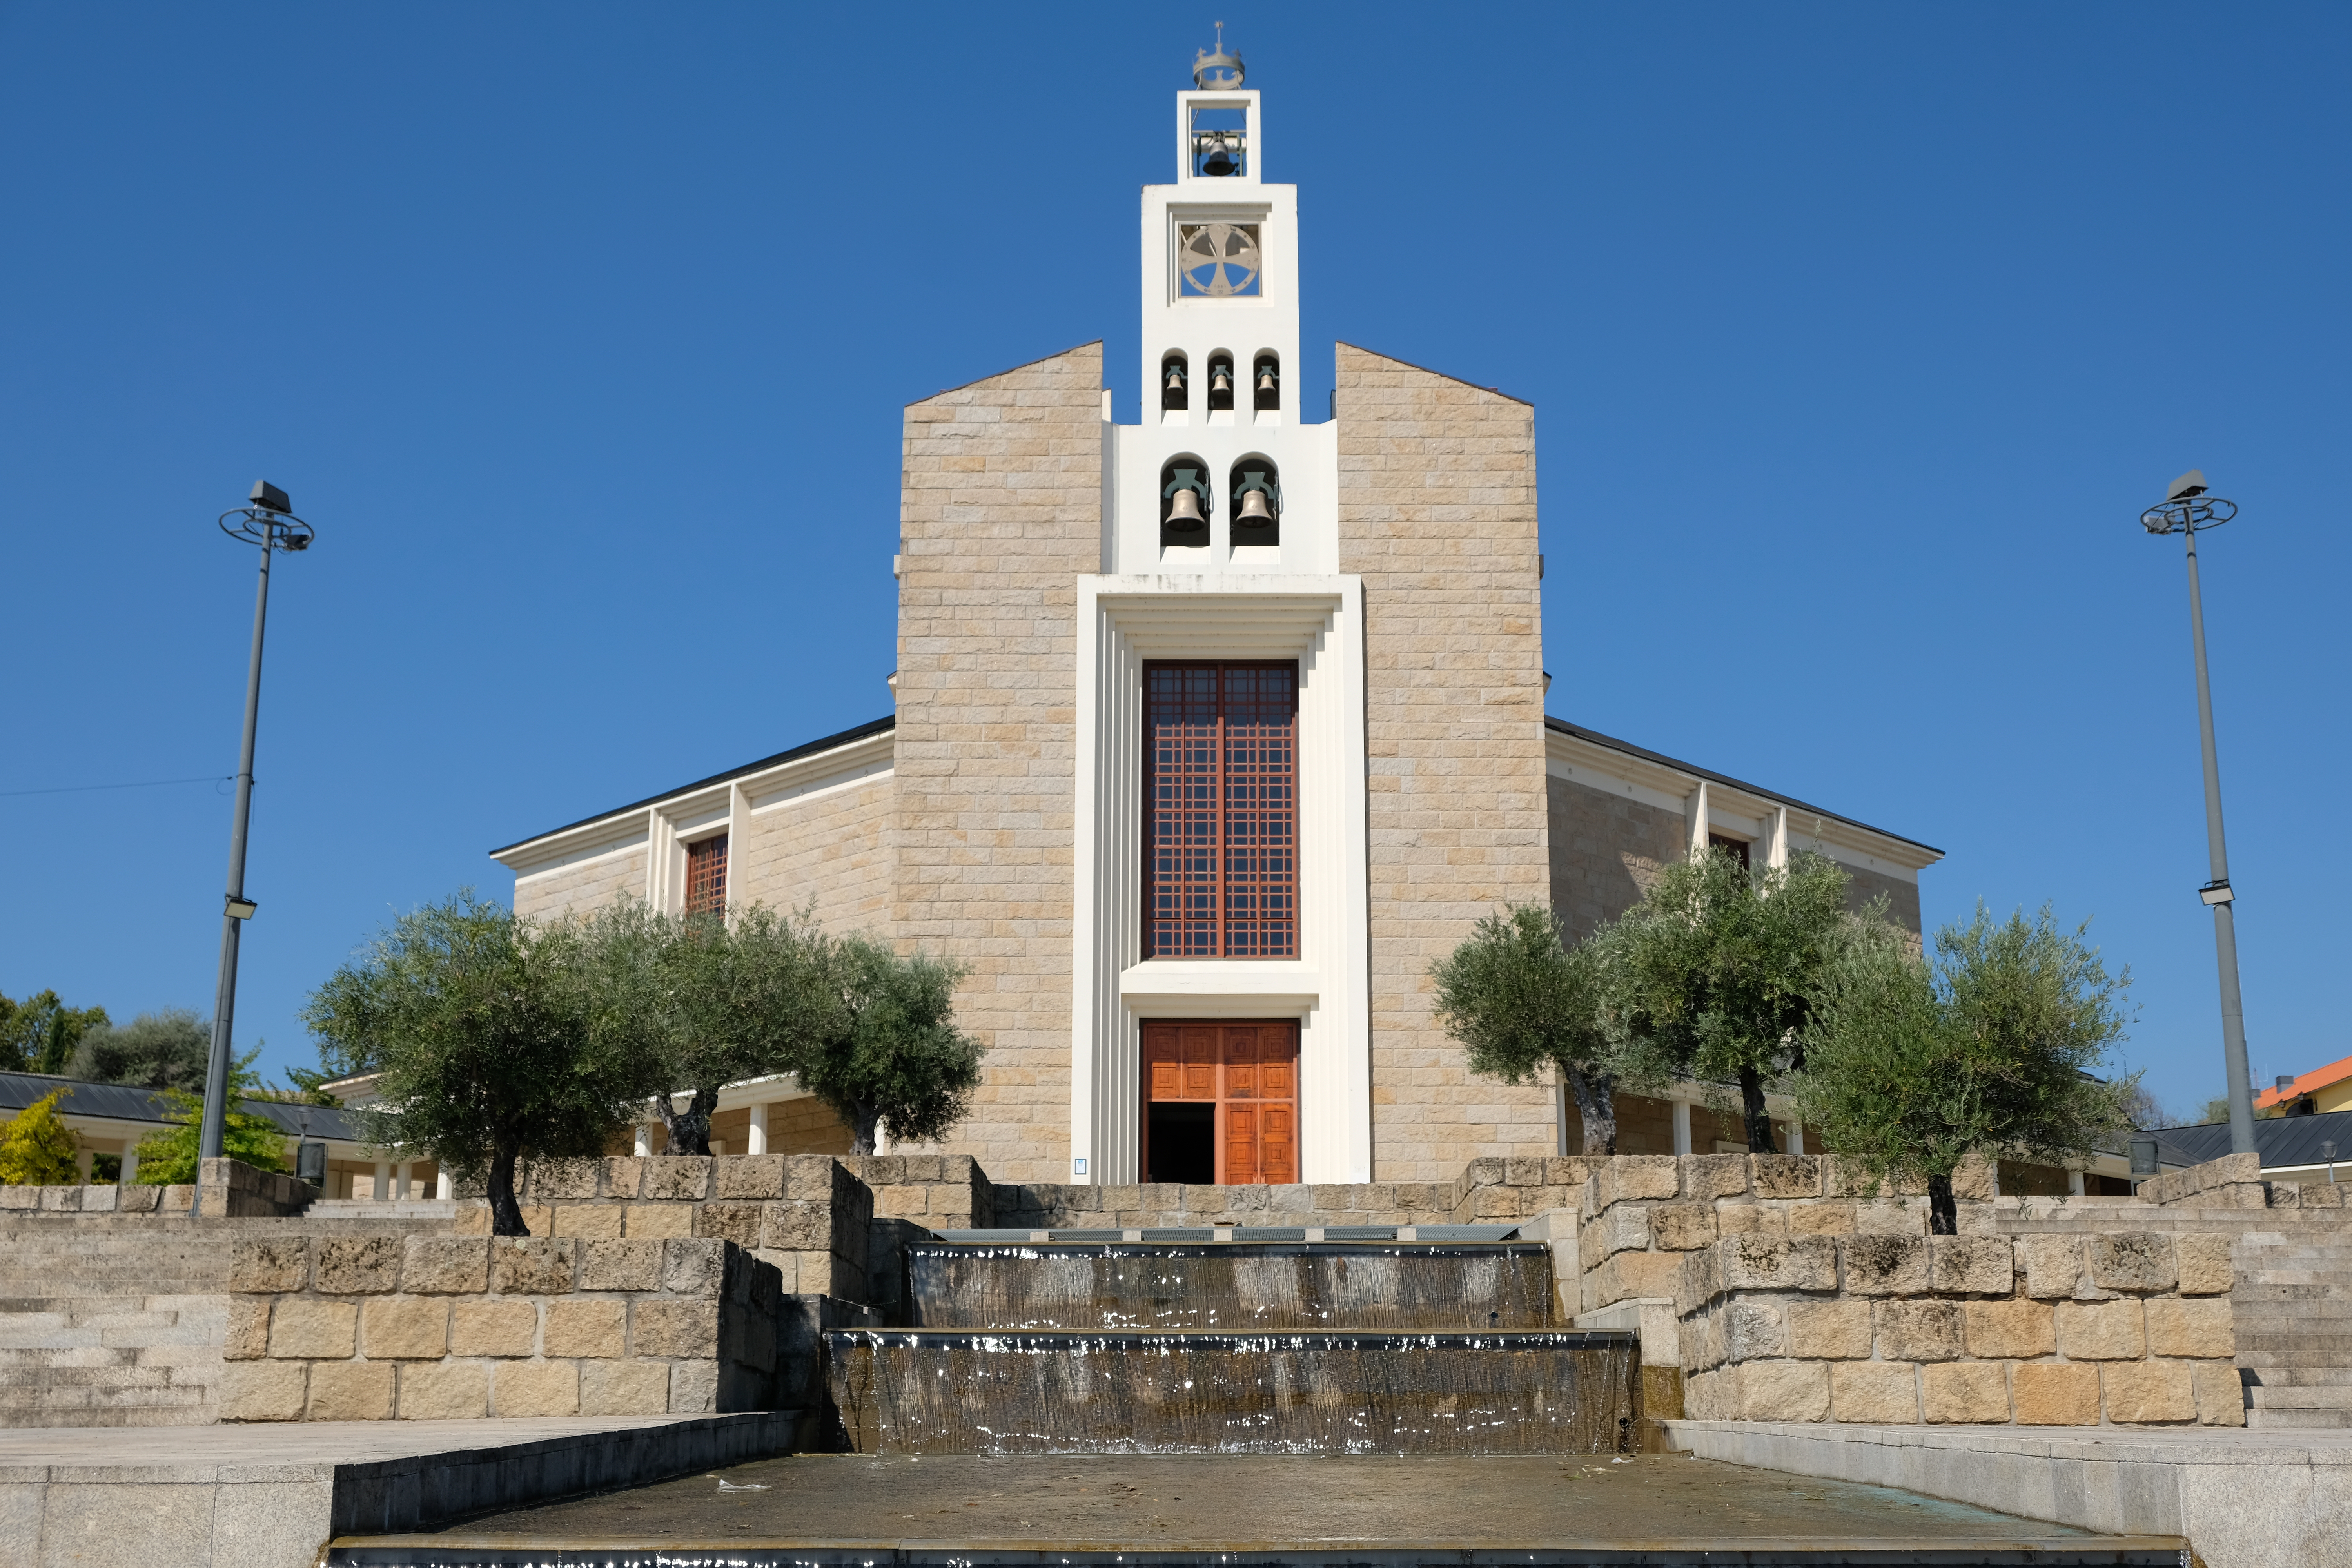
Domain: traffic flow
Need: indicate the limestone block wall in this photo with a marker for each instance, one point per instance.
(231, 1188)
(913, 1195)
(1605, 850)
(584, 884)
(1489, 1190)
(1437, 512)
(804, 1215)
(441, 1328)
(1000, 512)
(829, 850)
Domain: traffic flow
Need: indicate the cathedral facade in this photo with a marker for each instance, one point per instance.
(1210, 733)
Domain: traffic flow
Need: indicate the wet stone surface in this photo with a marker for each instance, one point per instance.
(1190, 1502)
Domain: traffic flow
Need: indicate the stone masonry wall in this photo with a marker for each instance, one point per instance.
(231, 1190)
(1000, 512)
(440, 1328)
(831, 850)
(1605, 848)
(584, 884)
(804, 1215)
(1800, 1297)
(1437, 512)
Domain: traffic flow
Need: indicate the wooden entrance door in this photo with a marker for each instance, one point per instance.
(1249, 1072)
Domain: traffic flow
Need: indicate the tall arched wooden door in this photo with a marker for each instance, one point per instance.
(1221, 1102)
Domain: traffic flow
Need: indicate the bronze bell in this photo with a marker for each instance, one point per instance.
(1175, 377)
(1185, 509)
(1254, 512)
(1220, 380)
(1266, 378)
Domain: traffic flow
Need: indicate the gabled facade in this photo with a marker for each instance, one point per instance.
(1211, 732)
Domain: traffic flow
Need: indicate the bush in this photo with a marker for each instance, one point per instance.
(38, 1148)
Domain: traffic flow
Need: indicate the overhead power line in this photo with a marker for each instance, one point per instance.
(137, 784)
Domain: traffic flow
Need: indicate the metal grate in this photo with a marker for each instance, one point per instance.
(705, 877)
(1221, 860)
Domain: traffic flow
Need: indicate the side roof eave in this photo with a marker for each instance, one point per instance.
(826, 744)
(1658, 758)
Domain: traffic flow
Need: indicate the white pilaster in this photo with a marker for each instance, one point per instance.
(1695, 820)
(1776, 853)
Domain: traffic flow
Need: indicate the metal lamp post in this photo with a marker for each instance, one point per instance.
(2188, 508)
(268, 521)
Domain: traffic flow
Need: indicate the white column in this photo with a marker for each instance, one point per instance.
(757, 1138)
(644, 1138)
(1682, 1127)
(383, 1188)
(1694, 818)
(2075, 1183)
(130, 1161)
(83, 1162)
(1796, 1135)
(1776, 837)
(443, 1187)
(402, 1188)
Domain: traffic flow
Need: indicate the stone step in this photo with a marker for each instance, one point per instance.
(2299, 1396)
(2304, 1376)
(2299, 1420)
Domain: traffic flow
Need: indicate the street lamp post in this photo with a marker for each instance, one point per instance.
(268, 521)
(2188, 508)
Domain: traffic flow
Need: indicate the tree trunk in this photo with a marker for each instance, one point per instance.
(506, 1214)
(862, 1123)
(1943, 1210)
(1759, 1121)
(1596, 1103)
(689, 1130)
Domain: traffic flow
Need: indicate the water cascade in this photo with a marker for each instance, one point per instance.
(1251, 1348)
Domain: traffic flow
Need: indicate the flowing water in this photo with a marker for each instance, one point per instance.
(1391, 1287)
(927, 1392)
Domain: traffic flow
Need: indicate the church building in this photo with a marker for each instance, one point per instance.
(1210, 733)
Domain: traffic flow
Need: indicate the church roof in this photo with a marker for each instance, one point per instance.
(1611, 744)
(872, 726)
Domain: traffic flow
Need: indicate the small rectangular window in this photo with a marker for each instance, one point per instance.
(1735, 847)
(705, 877)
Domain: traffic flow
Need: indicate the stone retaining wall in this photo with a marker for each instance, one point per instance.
(439, 1328)
(232, 1190)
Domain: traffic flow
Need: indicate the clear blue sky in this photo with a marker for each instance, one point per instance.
(1857, 336)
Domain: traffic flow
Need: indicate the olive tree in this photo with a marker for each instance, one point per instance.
(479, 1022)
(703, 1001)
(884, 1050)
(1521, 1001)
(1913, 1062)
(1713, 973)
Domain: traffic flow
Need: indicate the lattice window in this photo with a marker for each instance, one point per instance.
(705, 877)
(1220, 810)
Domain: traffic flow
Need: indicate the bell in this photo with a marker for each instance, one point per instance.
(1266, 378)
(1220, 380)
(1219, 162)
(1175, 378)
(1184, 510)
(1254, 512)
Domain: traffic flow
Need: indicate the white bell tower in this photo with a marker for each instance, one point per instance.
(1218, 356)
(1221, 541)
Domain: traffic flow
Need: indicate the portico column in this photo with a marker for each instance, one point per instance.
(401, 1187)
(757, 1138)
(130, 1161)
(644, 1138)
(382, 1190)
(1796, 1136)
(83, 1162)
(2075, 1183)
(443, 1187)
(1682, 1127)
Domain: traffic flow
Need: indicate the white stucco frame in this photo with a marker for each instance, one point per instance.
(1122, 622)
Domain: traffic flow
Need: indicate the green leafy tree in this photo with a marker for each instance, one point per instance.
(884, 1050)
(40, 1034)
(165, 1049)
(1913, 1063)
(480, 1024)
(702, 1001)
(1713, 975)
(36, 1148)
(169, 1158)
(1522, 1002)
